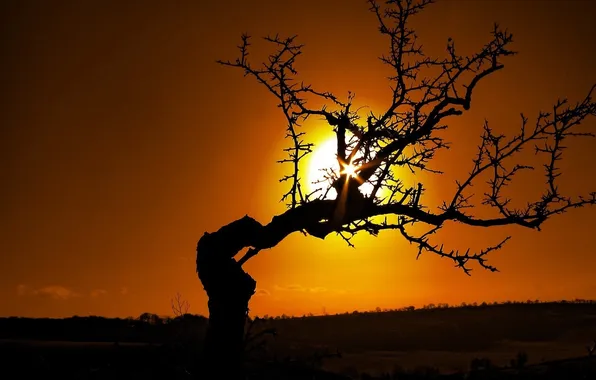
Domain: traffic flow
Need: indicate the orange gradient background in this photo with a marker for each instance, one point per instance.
(122, 142)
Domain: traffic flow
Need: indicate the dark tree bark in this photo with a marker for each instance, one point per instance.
(229, 289)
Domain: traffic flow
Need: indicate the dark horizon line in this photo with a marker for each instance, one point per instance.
(426, 307)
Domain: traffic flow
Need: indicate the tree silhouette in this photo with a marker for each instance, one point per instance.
(426, 93)
(180, 306)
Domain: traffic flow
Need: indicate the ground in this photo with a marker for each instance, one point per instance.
(554, 338)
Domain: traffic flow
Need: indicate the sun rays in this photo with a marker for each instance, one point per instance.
(324, 167)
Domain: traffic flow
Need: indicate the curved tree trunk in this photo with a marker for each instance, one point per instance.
(229, 289)
(228, 310)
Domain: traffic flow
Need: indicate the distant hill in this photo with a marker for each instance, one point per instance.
(147, 328)
(467, 327)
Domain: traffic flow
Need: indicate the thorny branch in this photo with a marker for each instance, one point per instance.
(278, 75)
(425, 92)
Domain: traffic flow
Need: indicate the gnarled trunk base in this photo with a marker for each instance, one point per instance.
(229, 289)
(228, 310)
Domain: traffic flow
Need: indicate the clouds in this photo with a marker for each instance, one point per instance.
(262, 293)
(22, 290)
(98, 293)
(61, 293)
(300, 288)
(56, 292)
(297, 288)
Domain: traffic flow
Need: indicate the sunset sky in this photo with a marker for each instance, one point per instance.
(122, 142)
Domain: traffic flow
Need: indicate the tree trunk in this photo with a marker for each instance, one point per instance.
(229, 289)
(228, 310)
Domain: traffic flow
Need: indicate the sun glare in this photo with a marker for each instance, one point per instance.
(324, 157)
(350, 170)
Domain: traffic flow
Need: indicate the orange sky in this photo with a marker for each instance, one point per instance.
(122, 141)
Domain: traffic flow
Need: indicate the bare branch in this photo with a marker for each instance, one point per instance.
(180, 306)
(278, 75)
(425, 93)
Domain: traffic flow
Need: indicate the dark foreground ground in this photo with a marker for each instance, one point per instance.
(530, 341)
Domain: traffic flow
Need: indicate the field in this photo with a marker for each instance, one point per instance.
(535, 338)
(447, 338)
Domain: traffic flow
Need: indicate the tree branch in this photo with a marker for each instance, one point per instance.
(425, 92)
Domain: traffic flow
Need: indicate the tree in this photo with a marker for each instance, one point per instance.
(149, 318)
(426, 93)
(179, 305)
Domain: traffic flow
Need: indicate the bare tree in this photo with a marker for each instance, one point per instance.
(179, 305)
(426, 93)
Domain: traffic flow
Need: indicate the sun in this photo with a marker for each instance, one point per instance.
(324, 157)
(350, 170)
